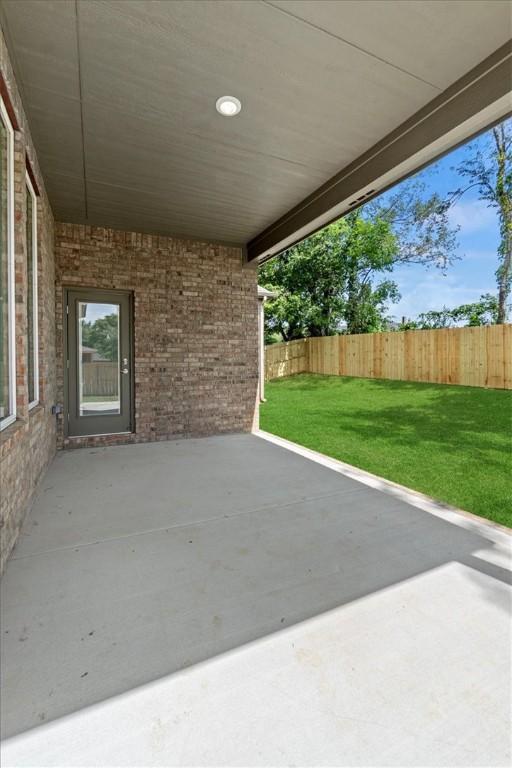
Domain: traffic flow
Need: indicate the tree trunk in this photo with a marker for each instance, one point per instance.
(504, 283)
(504, 272)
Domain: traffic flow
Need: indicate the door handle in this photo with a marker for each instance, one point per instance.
(124, 369)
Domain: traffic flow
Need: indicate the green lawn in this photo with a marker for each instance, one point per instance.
(452, 443)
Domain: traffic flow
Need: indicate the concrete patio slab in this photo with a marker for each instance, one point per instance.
(225, 601)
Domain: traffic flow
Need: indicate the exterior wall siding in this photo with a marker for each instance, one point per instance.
(28, 445)
(195, 328)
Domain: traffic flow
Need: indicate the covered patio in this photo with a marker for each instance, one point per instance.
(182, 589)
(228, 601)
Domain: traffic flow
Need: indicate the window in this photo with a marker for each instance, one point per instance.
(7, 349)
(32, 303)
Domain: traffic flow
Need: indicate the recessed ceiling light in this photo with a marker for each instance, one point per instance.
(228, 106)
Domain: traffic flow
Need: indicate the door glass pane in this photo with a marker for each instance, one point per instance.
(98, 359)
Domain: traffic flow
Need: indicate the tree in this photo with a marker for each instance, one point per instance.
(102, 335)
(370, 248)
(334, 278)
(488, 169)
(326, 279)
(481, 312)
(485, 311)
(307, 280)
(421, 224)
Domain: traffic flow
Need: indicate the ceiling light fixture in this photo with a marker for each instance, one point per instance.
(228, 106)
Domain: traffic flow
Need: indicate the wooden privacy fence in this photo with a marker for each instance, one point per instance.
(286, 359)
(475, 357)
(100, 378)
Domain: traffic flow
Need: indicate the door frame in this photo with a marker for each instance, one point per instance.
(66, 355)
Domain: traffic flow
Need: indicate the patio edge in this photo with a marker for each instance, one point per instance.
(415, 498)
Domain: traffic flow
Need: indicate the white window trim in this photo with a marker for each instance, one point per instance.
(35, 296)
(5, 422)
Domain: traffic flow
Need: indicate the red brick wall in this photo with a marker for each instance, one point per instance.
(195, 324)
(28, 445)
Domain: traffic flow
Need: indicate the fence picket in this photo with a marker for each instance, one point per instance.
(477, 357)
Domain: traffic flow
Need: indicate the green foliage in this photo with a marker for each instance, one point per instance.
(335, 279)
(450, 442)
(326, 279)
(102, 335)
(481, 312)
(308, 281)
(371, 248)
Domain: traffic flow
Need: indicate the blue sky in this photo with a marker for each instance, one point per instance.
(478, 239)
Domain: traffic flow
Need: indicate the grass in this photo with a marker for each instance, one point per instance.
(452, 443)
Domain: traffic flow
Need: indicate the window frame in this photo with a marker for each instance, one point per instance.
(35, 295)
(11, 310)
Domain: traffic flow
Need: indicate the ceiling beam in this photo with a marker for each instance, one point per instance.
(479, 99)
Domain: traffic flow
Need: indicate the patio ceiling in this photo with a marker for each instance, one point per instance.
(121, 96)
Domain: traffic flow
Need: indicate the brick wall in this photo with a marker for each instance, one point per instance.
(28, 445)
(195, 327)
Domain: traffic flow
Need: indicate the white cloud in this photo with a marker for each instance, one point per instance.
(434, 292)
(472, 216)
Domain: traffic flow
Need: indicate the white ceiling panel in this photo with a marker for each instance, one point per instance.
(121, 94)
(171, 61)
(128, 209)
(45, 49)
(67, 194)
(55, 126)
(436, 41)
